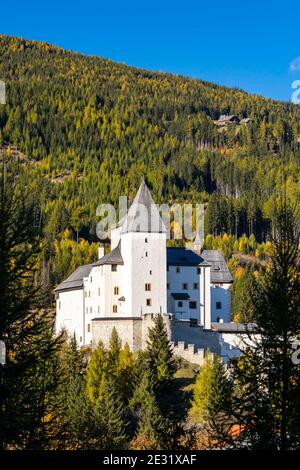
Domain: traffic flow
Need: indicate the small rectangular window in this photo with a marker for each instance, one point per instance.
(148, 302)
(115, 309)
(146, 240)
(193, 305)
(91, 279)
(168, 286)
(198, 270)
(177, 269)
(91, 309)
(87, 310)
(196, 285)
(89, 327)
(85, 294)
(150, 272)
(114, 267)
(116, 290)
(59, 304)
(98, 309)
(180, 304)
(185, 286)
(147, 287)
(98, 290)
(146, 254)
(218, 305)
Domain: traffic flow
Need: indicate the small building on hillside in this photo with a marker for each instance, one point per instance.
(226, 119)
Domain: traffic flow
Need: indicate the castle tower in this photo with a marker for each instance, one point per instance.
(143, 246)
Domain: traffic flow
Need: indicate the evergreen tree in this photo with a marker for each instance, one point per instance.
(115, 346)
(159, 354)
(75, 422)
(265, 403)
(108, 416)
(97, 373)
(30, 377)
(124, 377)
(211, 403)
(80, 431)
(151, 424)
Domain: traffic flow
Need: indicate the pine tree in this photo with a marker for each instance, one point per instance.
(108, 416)
(75, 422)
(159, 354)
(124, 374)
(97, 373)
(115, 346)
(212, 392)
(79, 416)
(30, 376)
(265, 401)
(151, 424)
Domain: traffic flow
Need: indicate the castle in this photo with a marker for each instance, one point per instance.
(139, 278)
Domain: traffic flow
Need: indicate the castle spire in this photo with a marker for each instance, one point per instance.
(143, 214)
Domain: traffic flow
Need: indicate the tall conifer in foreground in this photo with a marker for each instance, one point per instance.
(267, 380)
(108, 415)
(159, 353)
(151, 424)
(30, 377)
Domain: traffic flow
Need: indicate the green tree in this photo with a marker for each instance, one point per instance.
(211, 401)
(108, 414)
(97, 373)
(159, 353)
(267, 379)
(115, 346)
(151, 423)
(30, 377)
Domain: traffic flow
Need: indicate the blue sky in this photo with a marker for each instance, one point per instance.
(249, 45)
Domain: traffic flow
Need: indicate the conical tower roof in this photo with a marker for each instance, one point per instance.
(143, 214)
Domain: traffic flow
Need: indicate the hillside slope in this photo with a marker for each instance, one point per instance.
(91, 127)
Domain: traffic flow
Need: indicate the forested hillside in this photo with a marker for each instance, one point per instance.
(90, 128)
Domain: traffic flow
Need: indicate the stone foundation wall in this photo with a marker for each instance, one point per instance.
(189, 342)
(133, 330)
(128, 329)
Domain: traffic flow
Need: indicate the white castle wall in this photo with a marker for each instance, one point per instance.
(221, 293)
(69, 313)
(144, 256)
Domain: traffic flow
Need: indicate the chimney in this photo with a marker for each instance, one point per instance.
(100, 251)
